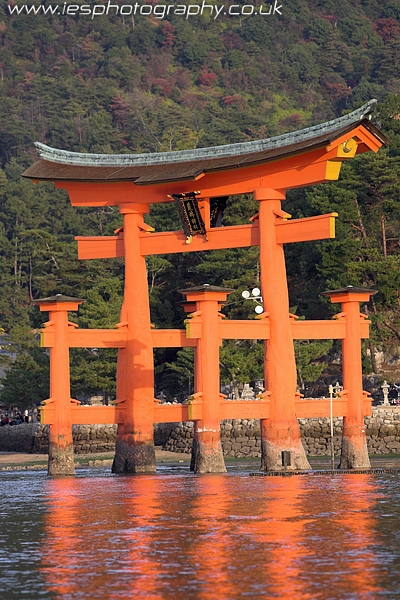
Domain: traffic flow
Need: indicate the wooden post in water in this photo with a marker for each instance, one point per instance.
(354, 452)
(281, 432)
(61, 449)
(134, 452)
(207, 454)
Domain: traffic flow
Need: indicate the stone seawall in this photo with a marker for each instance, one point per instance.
(88, 439)
(240, 437)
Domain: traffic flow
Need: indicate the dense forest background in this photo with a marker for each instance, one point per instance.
(144, 84)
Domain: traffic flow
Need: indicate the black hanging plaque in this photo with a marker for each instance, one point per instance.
(189, 214)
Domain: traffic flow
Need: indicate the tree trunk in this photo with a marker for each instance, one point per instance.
(383, 227)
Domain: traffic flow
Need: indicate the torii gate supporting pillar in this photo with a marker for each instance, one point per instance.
(354, 453)
(281, 432)
(61, 448)
(134, 452)
(207, 456)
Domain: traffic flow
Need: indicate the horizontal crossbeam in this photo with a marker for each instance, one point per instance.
(320, 227)
(260, 329)
(180, 338)
(175, 413)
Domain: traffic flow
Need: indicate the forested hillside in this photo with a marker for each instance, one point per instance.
(149, 84)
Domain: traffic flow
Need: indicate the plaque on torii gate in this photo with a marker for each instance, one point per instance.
(265, 168)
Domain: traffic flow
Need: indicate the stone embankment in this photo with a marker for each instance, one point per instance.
(88, 439)
(240, 437)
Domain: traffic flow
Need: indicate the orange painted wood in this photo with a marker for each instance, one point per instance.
(97, 338)
(244, 330)
(115, 338)
(281, 430)
(308, 408)
(325, 330)
(353, 425)
(321, 227)
(245, 409)
(86, 415)
(233, 409)
(306, 168)
(171, 338)
(172, 242)
(318, 330)
(60, 434)
(207, 376)
(180, 338)
(111, 246)
(291, 173)
(175, 413)
(87, 338)
(301, 330)
(194, 328)
(137, 368)
(237, 236)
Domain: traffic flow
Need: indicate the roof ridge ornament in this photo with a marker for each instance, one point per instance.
(180, 156)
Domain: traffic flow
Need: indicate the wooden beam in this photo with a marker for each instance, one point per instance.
(260, 329)
(243, 330)
(111, 246)
(179, 338)
(303, 169)
(245, 409)
(306, 168)
(87, 338)
(310, 408)
(325, 330)
(171, 338)
(320, 227)
(175, 413)
(306, 408)
(86, 415)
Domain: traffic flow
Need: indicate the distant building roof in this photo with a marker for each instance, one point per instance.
(186, 165)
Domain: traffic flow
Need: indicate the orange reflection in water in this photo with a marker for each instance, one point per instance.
(141, 506)
(212, 537)
(350, 536)
(64, 536)
(321, 534)
(279, 533)
(209, 554)
(98, 542)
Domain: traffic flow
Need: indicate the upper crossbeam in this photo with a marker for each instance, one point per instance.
(238, 236)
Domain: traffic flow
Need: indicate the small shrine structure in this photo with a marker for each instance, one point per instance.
(200, 182)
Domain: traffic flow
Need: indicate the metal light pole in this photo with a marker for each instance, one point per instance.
(255, 295)
(331, 418)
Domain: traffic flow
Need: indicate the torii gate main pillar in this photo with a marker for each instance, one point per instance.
(281, 431)
(134, 452)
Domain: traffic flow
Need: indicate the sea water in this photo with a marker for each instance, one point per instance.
(179, 536)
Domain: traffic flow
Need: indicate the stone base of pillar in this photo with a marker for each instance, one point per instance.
(134, 458)
(273, 460)
(61, 460)
(207, 458)
(354, 454)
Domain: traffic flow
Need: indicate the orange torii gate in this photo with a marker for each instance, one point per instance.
(265, 168)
